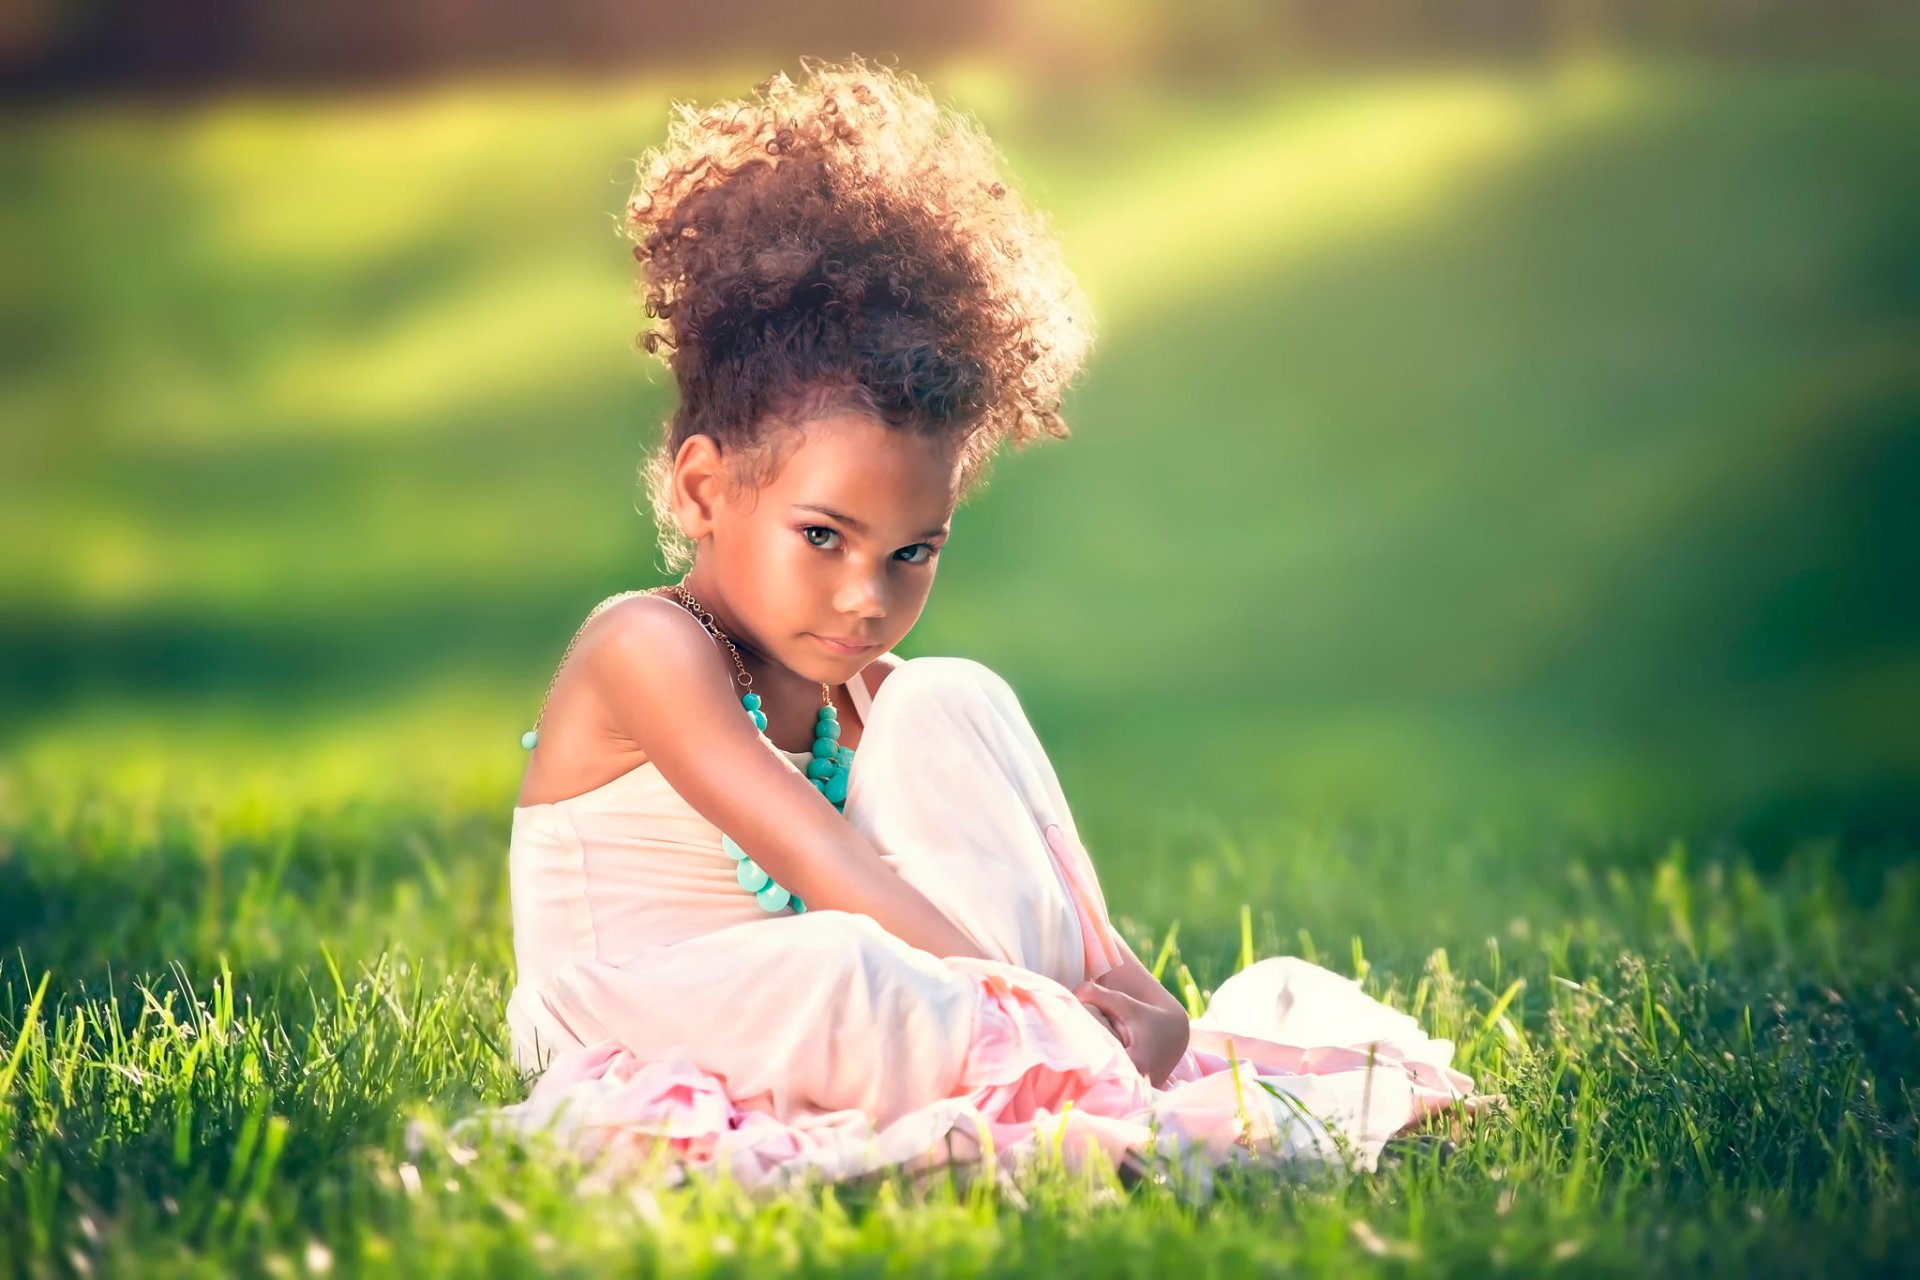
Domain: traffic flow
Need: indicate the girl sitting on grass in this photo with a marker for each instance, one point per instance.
(782, 900)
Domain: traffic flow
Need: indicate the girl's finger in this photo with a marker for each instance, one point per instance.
(1117, 1026)
(1092, 993)
(1118, 1003)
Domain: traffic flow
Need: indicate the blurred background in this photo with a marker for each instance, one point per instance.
(1502, 412)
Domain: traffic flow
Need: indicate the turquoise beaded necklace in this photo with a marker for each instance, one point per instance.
(828, 771)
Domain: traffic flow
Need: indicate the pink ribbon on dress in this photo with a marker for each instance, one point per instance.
(1103, 949)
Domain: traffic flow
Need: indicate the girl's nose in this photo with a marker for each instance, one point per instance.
(862, 598)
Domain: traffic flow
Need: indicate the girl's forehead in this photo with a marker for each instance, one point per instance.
(856, 460)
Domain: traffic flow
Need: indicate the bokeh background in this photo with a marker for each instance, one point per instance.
(1486, 562)
(1499, 415)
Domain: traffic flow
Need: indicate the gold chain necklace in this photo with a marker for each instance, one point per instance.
(701, 614)
(705, 618)
(829, 770)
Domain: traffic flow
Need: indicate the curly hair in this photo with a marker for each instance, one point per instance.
(846, 243)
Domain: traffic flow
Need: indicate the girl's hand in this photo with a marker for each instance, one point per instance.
(1113, 1024)
(1155, 1038)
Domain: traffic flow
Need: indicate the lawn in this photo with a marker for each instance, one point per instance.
(1477, 568)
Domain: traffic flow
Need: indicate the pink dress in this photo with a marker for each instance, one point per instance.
(665, 1009)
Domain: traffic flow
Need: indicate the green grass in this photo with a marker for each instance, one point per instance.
(1471, 571)
(221, 1019)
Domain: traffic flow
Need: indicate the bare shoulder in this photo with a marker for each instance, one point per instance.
(644, 657)
(648, 614)
(648, 633)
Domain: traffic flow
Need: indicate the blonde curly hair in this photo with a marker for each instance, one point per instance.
(846, 243)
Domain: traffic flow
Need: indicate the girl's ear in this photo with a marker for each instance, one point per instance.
(699, 479)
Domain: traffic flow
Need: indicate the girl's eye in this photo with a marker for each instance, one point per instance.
(807, 532)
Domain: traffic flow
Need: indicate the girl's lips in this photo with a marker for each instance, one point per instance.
(838, 647)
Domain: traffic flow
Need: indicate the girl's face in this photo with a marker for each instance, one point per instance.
(842, 543)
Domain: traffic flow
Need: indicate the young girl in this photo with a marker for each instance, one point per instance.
(781, 900)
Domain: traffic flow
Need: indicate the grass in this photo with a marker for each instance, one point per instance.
(212, 1053)
(1514, 482)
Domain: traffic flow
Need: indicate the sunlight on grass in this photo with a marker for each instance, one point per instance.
(446, 739)
(515, 332)
(522, 186)
(346, 179)
(1294, 178)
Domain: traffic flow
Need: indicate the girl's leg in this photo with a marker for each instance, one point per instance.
(954, 787)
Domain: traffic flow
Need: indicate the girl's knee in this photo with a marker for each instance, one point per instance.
(948, 678)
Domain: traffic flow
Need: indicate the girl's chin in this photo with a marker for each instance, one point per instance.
(816, 666)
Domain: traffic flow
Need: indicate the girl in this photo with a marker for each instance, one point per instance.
(781, 900)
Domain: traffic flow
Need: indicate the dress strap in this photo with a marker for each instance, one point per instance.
(861, 695)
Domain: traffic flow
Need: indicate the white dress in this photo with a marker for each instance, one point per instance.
(666, 1010)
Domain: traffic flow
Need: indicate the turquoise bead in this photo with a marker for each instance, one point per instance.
(530, 737)
(827, 771)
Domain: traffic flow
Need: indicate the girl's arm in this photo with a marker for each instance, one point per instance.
(1155, 1038)
(1157, 1029)
(667, 689)
(1136, 980)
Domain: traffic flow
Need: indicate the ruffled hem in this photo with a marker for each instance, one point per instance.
(1039, 1070)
